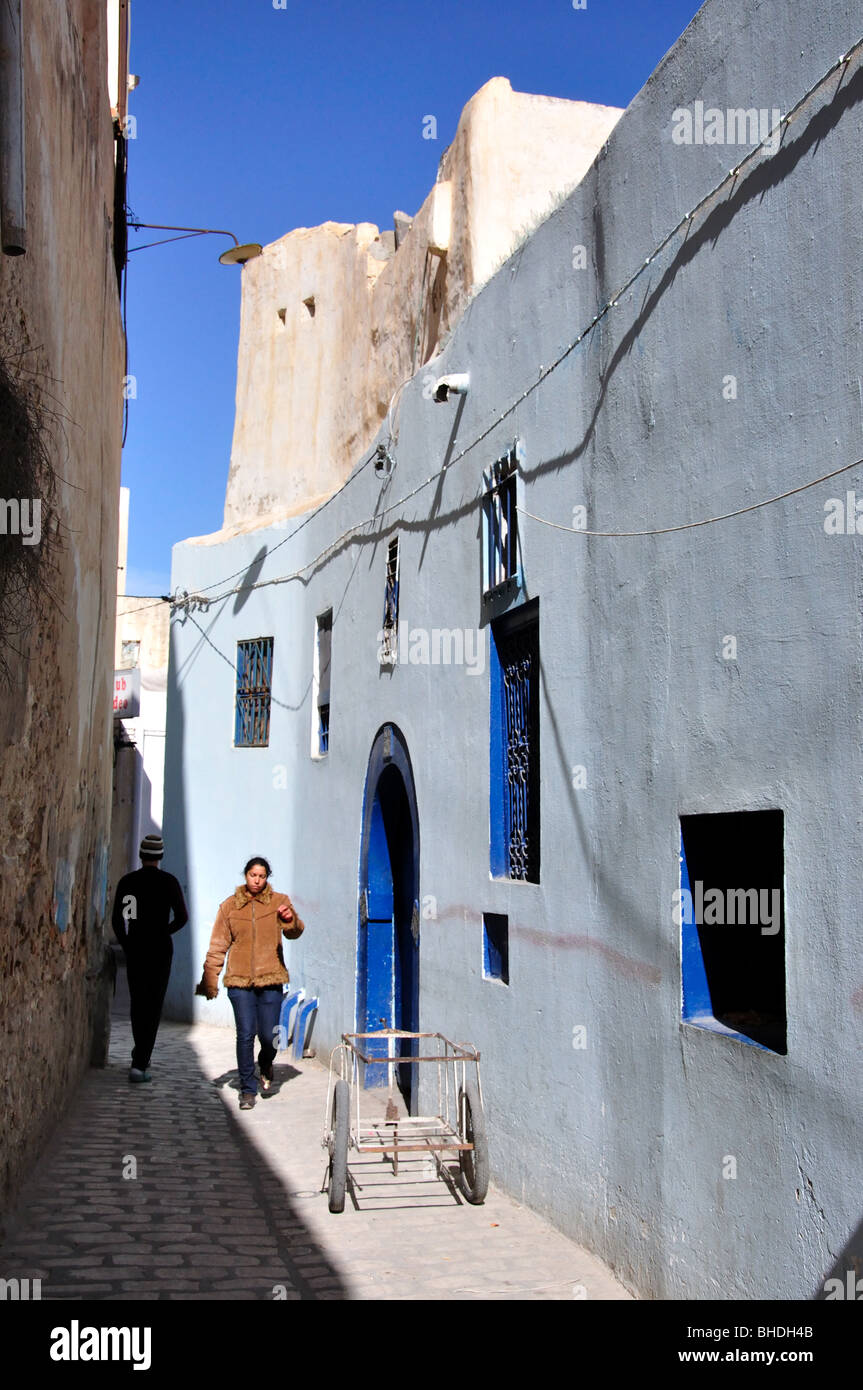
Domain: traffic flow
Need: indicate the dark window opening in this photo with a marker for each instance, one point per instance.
(732, 917)
(495, 947)
(323, 661)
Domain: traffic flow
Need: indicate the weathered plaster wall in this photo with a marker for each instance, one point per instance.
(620, 1144)
(139, 743)
(312, 390)
(59, 319)
(146, 620)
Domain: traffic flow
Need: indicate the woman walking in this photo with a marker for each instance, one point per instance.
(250, 925)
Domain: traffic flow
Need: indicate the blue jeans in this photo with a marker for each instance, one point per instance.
(256, 1010)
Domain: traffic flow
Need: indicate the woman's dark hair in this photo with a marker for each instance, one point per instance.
(257, 860)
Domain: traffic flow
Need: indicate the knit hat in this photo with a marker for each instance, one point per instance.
(152, 847)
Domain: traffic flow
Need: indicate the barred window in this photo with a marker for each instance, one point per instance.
(514, 760)
(254, 678)
(389, 635)
(500, 525)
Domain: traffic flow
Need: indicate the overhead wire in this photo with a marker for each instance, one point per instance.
(691, 525)
(545, 372)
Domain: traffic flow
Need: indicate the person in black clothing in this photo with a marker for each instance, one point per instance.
(148, 908)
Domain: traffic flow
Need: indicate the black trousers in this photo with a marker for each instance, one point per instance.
(148, 974)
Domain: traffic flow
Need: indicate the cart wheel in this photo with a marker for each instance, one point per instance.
(473, 1162)
(338, 1144)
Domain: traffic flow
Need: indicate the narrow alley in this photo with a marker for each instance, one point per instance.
(168, 1191)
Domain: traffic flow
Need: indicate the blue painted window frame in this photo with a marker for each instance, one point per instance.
(696, 1002)
(522, 622)
(323, 730)
(495, 947)
(321, 711)
(253, 693)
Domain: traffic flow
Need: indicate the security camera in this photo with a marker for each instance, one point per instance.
(451, 385)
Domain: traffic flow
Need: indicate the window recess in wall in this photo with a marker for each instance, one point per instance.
(321, 685)
(495, 947)
(514, 812)
(731, 913)
(390, 631)
(254, 680)
(501, 558)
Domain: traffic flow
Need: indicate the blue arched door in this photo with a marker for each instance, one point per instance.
(388, 917)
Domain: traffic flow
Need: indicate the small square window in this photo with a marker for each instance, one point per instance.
(732, 918)
(130, 653)
(495, 947)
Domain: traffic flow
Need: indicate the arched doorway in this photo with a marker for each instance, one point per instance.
(388, 916)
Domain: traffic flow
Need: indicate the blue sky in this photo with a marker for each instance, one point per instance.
(259, 120)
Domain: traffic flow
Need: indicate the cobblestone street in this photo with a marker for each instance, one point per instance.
(230, 1205)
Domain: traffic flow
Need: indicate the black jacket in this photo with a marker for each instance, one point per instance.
(148, 908)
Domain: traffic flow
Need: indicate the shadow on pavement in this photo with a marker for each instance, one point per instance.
(156, 1192)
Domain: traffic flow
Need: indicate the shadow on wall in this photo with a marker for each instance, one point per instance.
(251, 577)
(844, 1281)
(185, 971)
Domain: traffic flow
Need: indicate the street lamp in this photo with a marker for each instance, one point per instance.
(235, 255)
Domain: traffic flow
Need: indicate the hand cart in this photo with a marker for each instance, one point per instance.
(458, 1127)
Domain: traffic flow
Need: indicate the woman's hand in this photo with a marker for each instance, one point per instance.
(201, 988)
(285, 913)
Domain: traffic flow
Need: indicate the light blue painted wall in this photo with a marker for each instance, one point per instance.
(620, 1144)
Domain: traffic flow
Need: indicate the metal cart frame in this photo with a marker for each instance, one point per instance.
(458, 1127)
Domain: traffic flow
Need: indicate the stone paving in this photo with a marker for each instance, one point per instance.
(169, 1191)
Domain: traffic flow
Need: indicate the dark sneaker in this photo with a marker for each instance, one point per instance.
(136, 1075)
(247, 1100)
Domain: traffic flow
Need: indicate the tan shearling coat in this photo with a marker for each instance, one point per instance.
(248, 929)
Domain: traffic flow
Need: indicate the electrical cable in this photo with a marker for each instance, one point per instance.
(544, 372)
(691, 525)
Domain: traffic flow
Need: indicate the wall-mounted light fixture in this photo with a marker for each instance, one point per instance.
(235, 255)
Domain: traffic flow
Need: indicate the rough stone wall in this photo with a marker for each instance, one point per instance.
(61, 333)
(314, 387)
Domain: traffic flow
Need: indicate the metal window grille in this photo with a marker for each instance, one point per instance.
(501, 524)
(391, 603)
(254, 676)
(519, 658)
